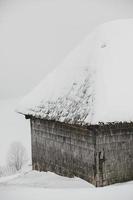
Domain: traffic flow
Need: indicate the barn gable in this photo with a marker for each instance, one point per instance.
(94, 82)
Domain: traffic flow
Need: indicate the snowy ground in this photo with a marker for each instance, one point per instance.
(49, 186)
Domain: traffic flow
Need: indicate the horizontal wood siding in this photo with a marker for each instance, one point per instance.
(65, 150)
(100, 154)
(114, 151)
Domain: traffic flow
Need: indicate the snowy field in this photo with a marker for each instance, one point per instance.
(49, 186)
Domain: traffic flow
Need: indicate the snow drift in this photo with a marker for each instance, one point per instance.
(93, 84)
(46, 185)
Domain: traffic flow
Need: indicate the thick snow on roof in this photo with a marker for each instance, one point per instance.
(93, 84)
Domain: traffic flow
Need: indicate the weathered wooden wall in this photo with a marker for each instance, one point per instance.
(65, 150)
(102, 154)
(114, 150)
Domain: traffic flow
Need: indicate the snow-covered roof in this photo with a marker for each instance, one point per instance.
(93, 84)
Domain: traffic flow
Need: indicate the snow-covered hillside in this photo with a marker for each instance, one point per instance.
(93, 84)
(41, 185)
(13, 127)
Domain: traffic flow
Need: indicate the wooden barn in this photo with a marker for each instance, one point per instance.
(81, 113)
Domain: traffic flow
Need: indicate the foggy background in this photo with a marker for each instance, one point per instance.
(35, 36)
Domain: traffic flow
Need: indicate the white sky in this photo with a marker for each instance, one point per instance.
(36, 35)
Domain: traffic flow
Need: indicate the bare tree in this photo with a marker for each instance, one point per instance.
(17, 155)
